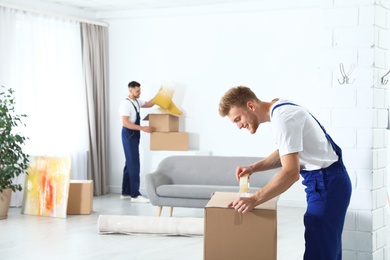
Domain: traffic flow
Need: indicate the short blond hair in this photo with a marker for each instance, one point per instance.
(236, 97)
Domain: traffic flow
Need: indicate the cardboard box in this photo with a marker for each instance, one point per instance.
(174, 141)
(229, 234)
(163, 122)
(80, 197)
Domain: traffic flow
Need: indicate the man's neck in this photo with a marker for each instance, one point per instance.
(265, 108)
(131, 97)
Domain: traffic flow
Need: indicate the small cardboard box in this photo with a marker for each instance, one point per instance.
(163, 122)
(229, 234)
(173, 141)
(80, 197)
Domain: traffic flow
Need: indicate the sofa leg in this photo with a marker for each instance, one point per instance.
(170, 211)
(159, 210)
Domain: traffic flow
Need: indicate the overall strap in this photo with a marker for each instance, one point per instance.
(138, 116)
(137, 111)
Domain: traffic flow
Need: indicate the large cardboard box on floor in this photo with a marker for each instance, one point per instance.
(163, 122)
(229, 234)
(80, 197)
(173, 141)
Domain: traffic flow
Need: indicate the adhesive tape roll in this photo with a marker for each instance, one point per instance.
(244, 184)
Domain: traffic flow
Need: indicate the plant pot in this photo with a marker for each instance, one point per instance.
(5, 200)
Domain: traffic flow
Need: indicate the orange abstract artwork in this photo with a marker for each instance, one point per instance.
(47, 186)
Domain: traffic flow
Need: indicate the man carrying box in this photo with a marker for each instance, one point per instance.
(303, 147)
(129, 111)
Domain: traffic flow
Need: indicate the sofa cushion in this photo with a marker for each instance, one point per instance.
(195, 191)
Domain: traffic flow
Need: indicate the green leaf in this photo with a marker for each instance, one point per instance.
(13, 160)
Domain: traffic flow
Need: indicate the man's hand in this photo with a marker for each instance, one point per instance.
(242, 170)
(242, 205)
(147, 129)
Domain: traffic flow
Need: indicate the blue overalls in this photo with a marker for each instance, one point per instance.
(328, 194)
(130, 142)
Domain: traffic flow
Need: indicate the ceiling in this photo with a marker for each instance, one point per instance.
(120, 5)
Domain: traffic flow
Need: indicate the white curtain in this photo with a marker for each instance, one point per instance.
(40, 58)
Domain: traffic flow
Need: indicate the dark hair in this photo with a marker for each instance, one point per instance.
(133, 84)
(236, 97)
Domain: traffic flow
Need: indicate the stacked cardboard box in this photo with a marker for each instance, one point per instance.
(166, 135)
(80, 197)
(229, 234)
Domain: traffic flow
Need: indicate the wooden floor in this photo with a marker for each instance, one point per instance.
(76, 237)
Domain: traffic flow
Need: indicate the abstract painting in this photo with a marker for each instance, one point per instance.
(46, 187)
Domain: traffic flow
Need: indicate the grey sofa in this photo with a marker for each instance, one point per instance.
(190, 181)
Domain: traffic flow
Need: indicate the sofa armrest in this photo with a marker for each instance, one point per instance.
(153, 181)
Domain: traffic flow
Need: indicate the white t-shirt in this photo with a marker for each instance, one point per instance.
(127, 109)
(295, 130)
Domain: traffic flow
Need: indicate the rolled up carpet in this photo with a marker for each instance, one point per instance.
(111, 224)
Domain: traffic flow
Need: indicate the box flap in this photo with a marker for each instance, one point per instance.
(222, 199)
(159, 111)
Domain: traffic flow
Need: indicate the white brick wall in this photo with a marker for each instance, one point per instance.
(379, 98)
(354, 36)
(380, 198)
(365, 221)
(353, 117)
(353, 2)
(362, 199)
(366, 15)
(364, 179)
(382, 38)
(366, 58)
(353, 240)
(378, 178)
(366, 138)
(358, 159)
(341, 97)
(380, 158)
(333, 57)
(381, 16)
(356, 33)
(339, 17)
(345, 137)
(381, 118)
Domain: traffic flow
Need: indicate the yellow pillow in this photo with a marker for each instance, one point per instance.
(173, 109)
(162, 100)
(163, 97)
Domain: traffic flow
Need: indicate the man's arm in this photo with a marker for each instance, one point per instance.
(271, 162)
(268, 163)
(148, 104)
(283, 180)
(126, 123)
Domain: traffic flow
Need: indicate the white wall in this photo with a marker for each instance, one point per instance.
(275, 53)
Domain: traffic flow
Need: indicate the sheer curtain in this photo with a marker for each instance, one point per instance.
(41, 60)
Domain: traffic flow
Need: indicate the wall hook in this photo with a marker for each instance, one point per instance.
(383, 80)
(345, 79)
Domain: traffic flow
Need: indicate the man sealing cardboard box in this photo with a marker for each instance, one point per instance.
(303, 147)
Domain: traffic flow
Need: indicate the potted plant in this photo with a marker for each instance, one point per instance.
(13, 160)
